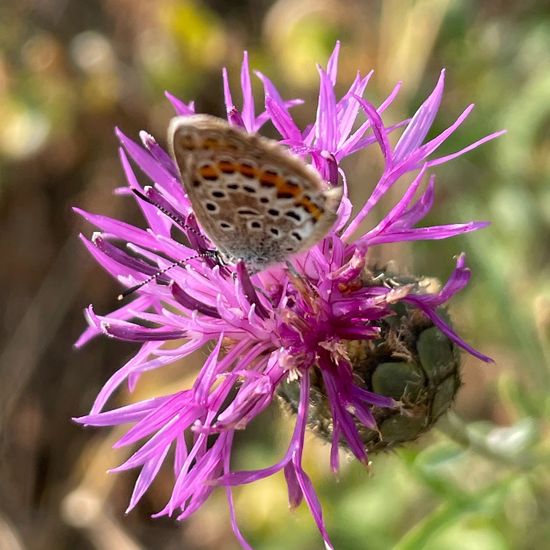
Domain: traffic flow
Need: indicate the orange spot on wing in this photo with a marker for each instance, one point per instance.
(286, 189)
(310, 207)
(268, 178)
(247, 170)
(208, 172)
(227, 167)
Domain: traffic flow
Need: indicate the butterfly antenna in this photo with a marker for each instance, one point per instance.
(132, 289)
(171, 215)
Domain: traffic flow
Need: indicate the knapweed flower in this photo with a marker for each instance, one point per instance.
(311, 333)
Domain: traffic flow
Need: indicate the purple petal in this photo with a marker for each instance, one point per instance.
(350, 107)
(124, 312)
(435, 232)
(427, 149)
(123, 415)
(118, 229)
(111, 266)
(326, 135)
(147, 163)
(232, 514)
(147, 475)
(281, 119)
(133, 365)
(249, 290)
(332, 65)
(270, 88)
(137, 265)
(229, 104)
(159, 154)
(421, 123)
(191, 303)
(157, 224)
(356, 143)
(447, 330)
(419, 209)
(373, 398)
(378, 129)
(398, 210)
(248, 97)
(130, 332)
(295, 494)
(233, 116)
(313, 504)
(343, 418)
(209, 370)
(180, 107)
(447, 158)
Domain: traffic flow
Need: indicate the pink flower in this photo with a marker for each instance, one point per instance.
(272, 326)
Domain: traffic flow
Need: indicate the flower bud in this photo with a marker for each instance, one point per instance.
(412, 361)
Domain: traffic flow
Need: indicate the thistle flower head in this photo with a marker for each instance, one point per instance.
(287, 329)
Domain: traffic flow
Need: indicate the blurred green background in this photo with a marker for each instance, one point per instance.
(72, 70)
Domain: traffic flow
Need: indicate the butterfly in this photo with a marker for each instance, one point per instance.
(254, 200)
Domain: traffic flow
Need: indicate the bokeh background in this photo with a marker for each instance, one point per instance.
(72, 70)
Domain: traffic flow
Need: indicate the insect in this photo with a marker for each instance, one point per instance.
(254, 200)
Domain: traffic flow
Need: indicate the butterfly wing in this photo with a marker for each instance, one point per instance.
(254, 200)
